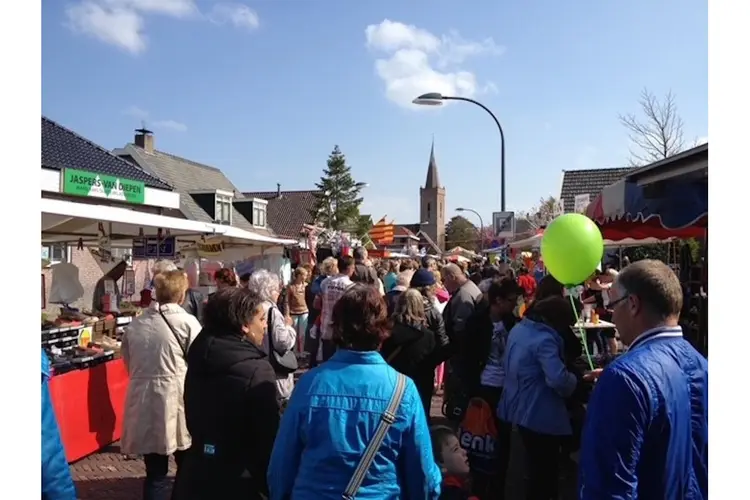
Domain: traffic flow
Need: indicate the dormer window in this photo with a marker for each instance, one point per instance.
(223, 210)
(260, 208)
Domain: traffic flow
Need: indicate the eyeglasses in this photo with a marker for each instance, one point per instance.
(614, 303)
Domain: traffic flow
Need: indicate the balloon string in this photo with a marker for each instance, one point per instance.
(582, 331)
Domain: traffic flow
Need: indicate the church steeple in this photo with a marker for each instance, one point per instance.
(433, 181)
(432, 203)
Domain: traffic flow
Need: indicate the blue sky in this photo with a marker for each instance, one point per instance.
(264, 89)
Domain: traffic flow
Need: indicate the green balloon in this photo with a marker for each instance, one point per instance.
(572, 248)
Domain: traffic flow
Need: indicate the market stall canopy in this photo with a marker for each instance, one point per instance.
(65, 221)
(460, 251)
(680, 210)
(231, 234)
(536, 241)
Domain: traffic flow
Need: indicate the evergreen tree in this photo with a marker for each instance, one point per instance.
(337, 200)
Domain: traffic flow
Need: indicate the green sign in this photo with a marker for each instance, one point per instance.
(93, 185)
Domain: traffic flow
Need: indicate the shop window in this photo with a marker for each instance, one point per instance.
(55, 253)
(122, 253)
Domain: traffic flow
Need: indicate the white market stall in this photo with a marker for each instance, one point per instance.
(534, 242)
(90, 379)
(95, 225)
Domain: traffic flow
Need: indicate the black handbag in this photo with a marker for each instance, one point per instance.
(283, 364)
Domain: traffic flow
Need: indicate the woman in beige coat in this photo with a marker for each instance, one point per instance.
(154, 350)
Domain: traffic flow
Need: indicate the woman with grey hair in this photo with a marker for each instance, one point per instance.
(283, 335)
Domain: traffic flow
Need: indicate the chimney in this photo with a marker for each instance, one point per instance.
(278, 190)
(144, 139)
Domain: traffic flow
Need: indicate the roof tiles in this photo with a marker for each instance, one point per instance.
(63, 148)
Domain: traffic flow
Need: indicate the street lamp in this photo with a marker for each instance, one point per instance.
(481, 225)
(436, 99)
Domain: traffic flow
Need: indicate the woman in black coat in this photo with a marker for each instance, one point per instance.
(231, 408)
(411, 347)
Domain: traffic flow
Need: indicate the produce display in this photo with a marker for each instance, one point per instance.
(77, 340)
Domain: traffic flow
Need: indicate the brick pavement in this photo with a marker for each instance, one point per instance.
(108, 475)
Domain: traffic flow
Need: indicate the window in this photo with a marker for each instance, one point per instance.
(428, 212)
(122, 253)
(223, 214)
(259, 215)
(55, 253)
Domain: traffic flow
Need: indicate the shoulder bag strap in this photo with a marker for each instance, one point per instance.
(269, 320)
(386, 420)
(174, 332)
(394, 353)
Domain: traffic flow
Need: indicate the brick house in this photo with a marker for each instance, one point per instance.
(288, 211)
(64, 149)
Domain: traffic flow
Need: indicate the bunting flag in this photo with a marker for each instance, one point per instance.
(382, 232)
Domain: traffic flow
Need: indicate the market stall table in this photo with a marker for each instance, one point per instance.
(588, 325)
(89, 405)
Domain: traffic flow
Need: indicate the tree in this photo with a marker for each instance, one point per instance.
(656, 134)
(364, 224)
(541, 215)
(488, 235)
(460, 232)
(337, 201)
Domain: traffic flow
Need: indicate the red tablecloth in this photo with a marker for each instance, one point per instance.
(89, 407)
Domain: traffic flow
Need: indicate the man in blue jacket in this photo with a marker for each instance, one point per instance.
(646, 431)
(57, 484)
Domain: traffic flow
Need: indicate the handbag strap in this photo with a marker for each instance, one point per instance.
(174, 332)
(394, 353)
(269, 321)
(386, 420)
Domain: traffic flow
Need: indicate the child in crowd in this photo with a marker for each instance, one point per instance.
(453, 462)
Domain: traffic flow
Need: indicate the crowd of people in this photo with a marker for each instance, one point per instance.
(214, 386)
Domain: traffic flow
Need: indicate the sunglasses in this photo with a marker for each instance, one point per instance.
(615, 303)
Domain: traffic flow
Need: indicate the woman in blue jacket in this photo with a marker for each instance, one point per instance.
(334, 413)
(57, 483)
(536, 386)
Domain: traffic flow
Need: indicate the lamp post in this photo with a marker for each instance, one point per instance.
(481, 225)
(436, 99)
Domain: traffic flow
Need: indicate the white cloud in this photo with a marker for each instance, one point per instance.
(122, 23)
(413, 61)
(141, 114)
(136, 112)
(121, 27)
(236, 14)
(170, 125)
(701, 140)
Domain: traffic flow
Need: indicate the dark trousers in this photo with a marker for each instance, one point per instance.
(156, 486)
(492, 486)
(594, 338)
(542, 464)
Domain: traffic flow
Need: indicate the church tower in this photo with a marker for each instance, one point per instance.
(432, 203)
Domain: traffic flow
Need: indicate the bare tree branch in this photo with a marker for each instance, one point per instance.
(541, 215)
(657, 133)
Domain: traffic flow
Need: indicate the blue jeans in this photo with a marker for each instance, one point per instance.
(299, 322)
